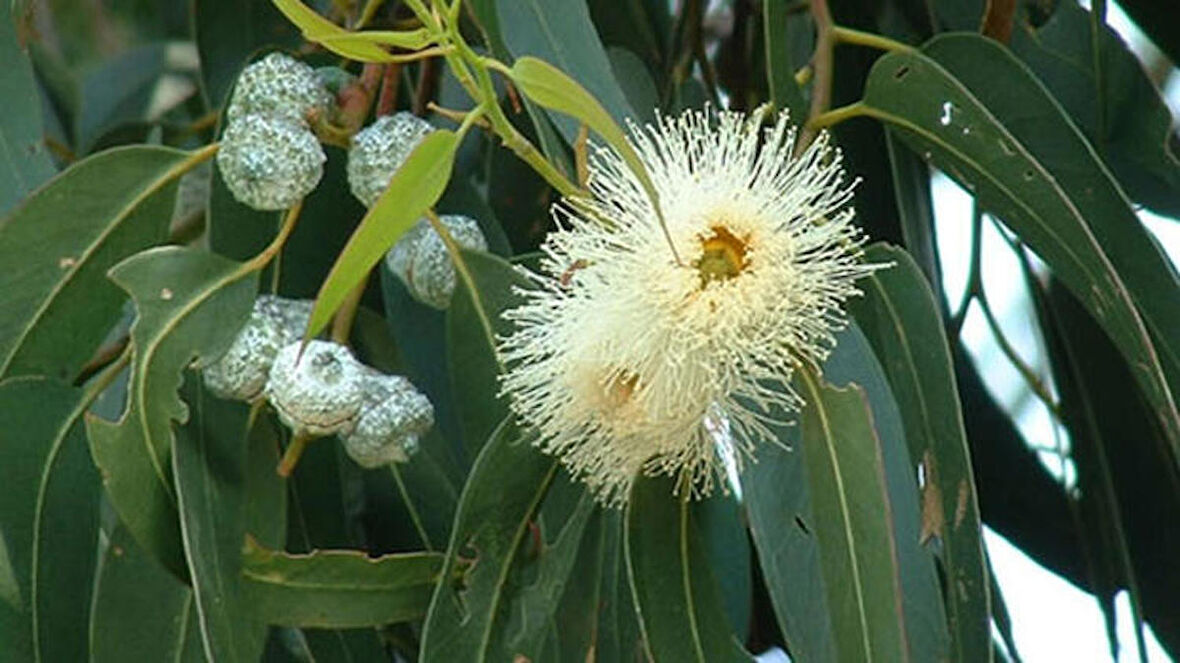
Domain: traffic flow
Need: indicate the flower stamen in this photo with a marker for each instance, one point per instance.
(723, 256)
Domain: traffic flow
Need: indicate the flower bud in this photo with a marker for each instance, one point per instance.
(319, 393)
(270, 162)
(421, 261)
(393, 416)
(241, 372)
(379, 150)
(279, 85)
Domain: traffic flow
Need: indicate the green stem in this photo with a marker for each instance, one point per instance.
(843, 35)
(293, 453)
(836, 116)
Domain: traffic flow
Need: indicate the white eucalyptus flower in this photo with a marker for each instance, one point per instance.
(269, 162)
(625, 349)
(379, 150)
(279, 85)
(241, 372)
(420, 258)
(318, 393)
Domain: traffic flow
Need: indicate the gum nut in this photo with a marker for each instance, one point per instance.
(291, 315)
(279, 85)
(393, 416)
(241, 373)
(269, 162)
(421, 261)
(379, 150)
(319, 393)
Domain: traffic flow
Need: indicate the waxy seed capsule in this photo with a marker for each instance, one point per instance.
(269, 162)
(319, 393)
(279, 85)
(241, 372)
(421, 261)
(379, 150)
(392, 418)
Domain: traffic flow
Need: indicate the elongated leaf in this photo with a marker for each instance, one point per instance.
(416, 186)
(335, 38)
(853, 523)
(1135, 138)
(899, 315)
(26, 161)
(117, 91)
(1045, 182)
(48, 519)
(209, 466)
(915, 210)
(504, 489)
(189, 304)
(780, 68)
(338, 588)
(676, 595)
(483, 291)
(726, 546)
(59, 244)
(141, 612)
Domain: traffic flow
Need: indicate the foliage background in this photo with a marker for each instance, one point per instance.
(1061, 134)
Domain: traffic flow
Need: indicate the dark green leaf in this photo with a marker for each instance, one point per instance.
(48, 519)
(1158, 21)
(915, 210)
(416, 186)
(116, 91)
(780, 67)
(338, 588)
(227, 33)
(726, 544)
(26, 162)
(483, 291)
(1126, 121)
(189, 304)
(560, 32)
(59, 244)
(899, 315)
(209, 465)
(141, 612)
(506, 485)
(675, 592)
(1036, 172)
(636, 83)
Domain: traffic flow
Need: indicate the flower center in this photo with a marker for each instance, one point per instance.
(620, 388)
(723, 256)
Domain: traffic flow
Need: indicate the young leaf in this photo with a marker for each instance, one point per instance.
(48, 518)
(337, 588)
(59, 245)
(189, 304)
(504, 489)
(900, 317)
(676, 595)
(352, 45)
(416, 186)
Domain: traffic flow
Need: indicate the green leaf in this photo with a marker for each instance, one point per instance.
(483, 291)
(899, 315)
(726, 544)
(915, 210)
(1126, 120)
(1025, 162)
(416, 186)
(227, 33)
(333, 37)
(141, 612)
(48, 519)
(189, 304)
(26, 161)
(636, 83)
(853, 523)
(506, 485)
(338, 588)
(209, 465)
(116, 91)
(780, 67)
(676, 595)
(59, 244)
(561, 32)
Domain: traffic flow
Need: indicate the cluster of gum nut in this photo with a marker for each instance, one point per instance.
(270, 159)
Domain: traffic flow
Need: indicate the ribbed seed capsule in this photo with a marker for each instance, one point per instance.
(241, 372)
(421, 261)
(269, 162)
(392, 418)
(319, 393)
(279, 85)
(379, 150)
